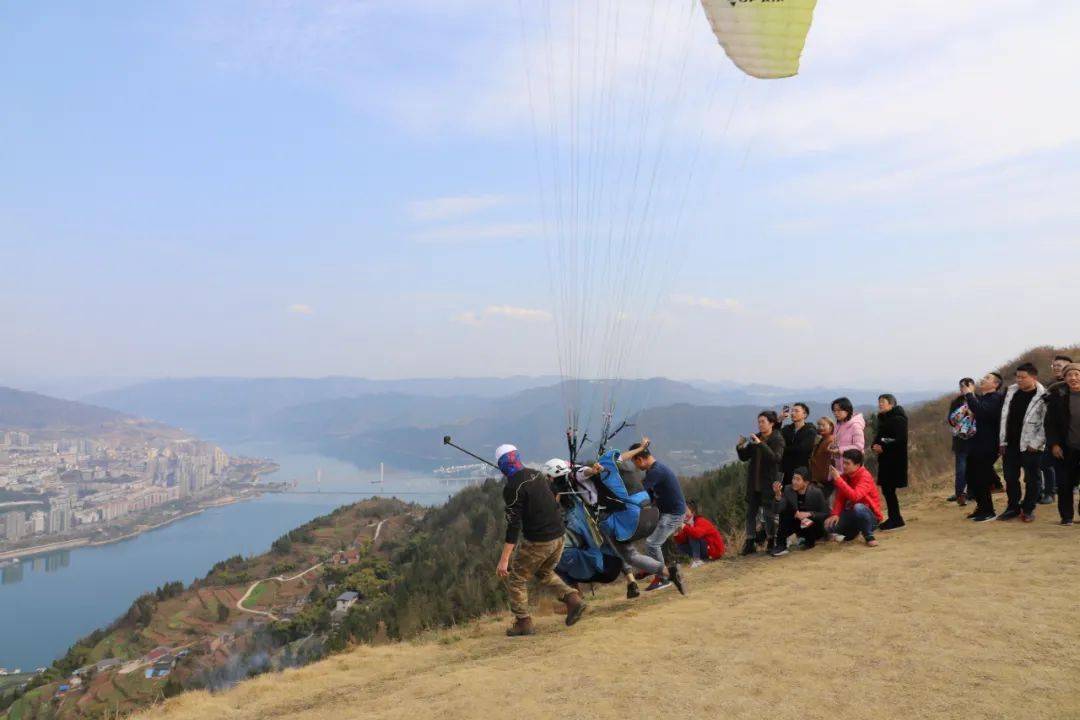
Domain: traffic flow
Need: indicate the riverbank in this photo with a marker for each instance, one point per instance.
(43, 549)
(20, 554)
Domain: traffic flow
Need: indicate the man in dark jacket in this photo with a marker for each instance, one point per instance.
(984, 448)
(1063, 438)
(891, 447)
(763, 451)
(534, 525)
(1050, 465)
(802, 510)
(799, 440)
(961, 445)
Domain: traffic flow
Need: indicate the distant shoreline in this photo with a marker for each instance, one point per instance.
(87, 542)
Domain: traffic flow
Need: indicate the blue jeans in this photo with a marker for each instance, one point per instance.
(665, 528)
(695, 549)
(961, 471)
(856, 520)
(1050, 469)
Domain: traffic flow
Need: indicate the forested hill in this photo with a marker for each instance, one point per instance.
(31, 411)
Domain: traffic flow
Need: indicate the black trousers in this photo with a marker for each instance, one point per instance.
(892, 503)
(980, 479)
(1068, 476)
(765, 502)
(790, 525)
(1014, 461)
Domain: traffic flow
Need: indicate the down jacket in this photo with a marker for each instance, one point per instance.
(1033, 431)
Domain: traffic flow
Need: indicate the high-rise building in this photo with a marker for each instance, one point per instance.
(14, 526)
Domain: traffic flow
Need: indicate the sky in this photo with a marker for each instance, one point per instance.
(387, 189)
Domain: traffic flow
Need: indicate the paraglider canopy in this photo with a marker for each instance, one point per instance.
(764, 38)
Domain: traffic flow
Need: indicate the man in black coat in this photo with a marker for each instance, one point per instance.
(1063, 438)
(891, 447)
(961, 444)
(802, 509)
(985, 446)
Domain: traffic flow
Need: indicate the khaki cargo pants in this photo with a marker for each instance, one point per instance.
(534, 560)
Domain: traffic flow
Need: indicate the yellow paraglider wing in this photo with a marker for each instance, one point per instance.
(764, 38)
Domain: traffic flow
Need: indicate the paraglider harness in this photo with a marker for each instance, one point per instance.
(616, 517)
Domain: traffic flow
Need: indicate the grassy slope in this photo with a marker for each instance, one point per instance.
(978, 619)
(945, 620)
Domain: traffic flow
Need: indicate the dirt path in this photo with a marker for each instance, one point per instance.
(946, 619)
(277, 578)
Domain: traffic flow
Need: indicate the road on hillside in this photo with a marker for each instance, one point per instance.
(280, 579)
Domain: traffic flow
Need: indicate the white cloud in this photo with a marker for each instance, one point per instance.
(517, 313)
(725, 304)
(476, 319)
(468, 318)
(450, 208)
(300, 309)
(474, 232)
(793, 323)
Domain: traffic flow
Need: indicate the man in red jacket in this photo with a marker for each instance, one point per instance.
(698, 537)
(856, 503)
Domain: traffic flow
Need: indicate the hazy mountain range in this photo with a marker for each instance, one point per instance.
(402, 422)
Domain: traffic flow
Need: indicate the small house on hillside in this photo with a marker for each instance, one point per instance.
(346, 600)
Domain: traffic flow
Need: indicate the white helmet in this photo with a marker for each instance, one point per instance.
(556, 468)
(502, 450)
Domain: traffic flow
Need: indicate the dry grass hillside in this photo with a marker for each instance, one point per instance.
(946, 619)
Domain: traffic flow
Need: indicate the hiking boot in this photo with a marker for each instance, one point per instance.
(632, 590)
(1009, 515)
(748, 548)
(676, 579)
(574, 607)
(658, 583)
(961, 499)
(521, 626)
(778, 551)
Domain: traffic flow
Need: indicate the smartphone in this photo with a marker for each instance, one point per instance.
(787, 409)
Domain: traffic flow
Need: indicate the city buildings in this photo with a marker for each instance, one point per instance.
(53, 487)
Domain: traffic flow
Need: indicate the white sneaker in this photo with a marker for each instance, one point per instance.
(695, 563)
(836, 537)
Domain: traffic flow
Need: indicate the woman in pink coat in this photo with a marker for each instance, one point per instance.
(850, 430)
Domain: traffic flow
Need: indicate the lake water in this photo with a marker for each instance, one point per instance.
(49, 602)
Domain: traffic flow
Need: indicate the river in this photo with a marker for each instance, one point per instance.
(49, 602)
